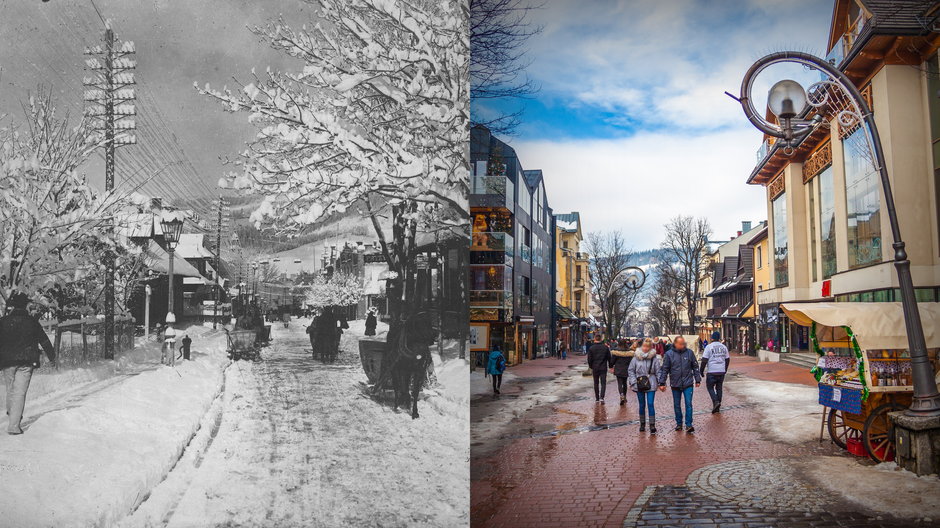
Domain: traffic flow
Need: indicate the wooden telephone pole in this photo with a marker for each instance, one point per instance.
(109, 105)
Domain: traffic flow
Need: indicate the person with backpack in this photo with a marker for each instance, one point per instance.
(642, 378)
(682, 371)
(598, 359)
(620, 358)
(21, 337)
(717, 359)
(495, 366)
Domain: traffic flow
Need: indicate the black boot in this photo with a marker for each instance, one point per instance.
(642, 423)
(652, 426)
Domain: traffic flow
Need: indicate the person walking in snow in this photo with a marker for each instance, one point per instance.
(21, 336)
(495, 366)
(598, 359)
(620, 358)
(717, 359)
(187, 343)
(371, 322)
(681, 370)
(642, 378)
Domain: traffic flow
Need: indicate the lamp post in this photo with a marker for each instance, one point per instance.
(172, 224)
(634, 282)
(791, 104)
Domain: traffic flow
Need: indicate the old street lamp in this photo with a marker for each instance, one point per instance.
(787, 99)
(172, 224)
(791, 103)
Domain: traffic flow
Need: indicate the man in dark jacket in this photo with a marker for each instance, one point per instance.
(598, 358)
(21, 335)
(680, 368)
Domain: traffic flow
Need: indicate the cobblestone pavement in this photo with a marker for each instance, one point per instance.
(680, 506)
(569, 462)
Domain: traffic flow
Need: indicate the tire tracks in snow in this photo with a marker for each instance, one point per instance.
(159, 505)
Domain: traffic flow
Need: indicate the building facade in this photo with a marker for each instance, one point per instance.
(512, 284)
(733, 311)
(573, 282)
(828, 234)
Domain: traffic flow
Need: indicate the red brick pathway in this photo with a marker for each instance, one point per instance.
(593, 479)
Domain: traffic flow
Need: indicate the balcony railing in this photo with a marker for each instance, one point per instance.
(763, 150)
(497, 186)
(490, 241)
(490, 299)
(842, 48)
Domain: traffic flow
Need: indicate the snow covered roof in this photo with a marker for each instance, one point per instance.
(157, 259)
(191, 246)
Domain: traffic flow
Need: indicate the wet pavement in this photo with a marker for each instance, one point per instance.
(549, 456)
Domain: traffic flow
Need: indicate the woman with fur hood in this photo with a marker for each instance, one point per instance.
(620, 358)
(642, 378)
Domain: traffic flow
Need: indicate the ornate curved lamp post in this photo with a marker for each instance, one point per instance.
(791, 103)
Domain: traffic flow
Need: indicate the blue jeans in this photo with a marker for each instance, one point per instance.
(647, 399)
(677, 395)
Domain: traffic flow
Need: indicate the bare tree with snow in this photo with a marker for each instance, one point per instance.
(376, 119)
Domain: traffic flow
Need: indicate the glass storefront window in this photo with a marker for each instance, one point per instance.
(863, 202)
(827, 222)
(781, 266)
(812, 227)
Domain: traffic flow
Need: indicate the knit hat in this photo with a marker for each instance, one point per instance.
(716, 335)
(19, 300)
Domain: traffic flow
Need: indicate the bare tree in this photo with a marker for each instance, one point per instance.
(685, 252)
(609, 256)
(499, 30)
(665, 300)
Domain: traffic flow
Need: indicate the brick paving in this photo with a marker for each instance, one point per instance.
(562, 464)
(679, 506)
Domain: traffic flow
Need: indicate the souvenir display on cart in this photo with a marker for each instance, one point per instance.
(864, 368)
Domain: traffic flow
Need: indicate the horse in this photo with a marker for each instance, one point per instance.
(408, 367)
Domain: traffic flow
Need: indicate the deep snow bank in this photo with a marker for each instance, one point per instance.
(90, 464)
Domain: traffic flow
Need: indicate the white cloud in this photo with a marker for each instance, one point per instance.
(661, 68)
(636, 184)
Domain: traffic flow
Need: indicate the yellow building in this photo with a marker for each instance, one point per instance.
(828, 234)
(573, 280)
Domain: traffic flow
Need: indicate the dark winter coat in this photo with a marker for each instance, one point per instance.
(371, 323)
(598, 357)
(620, 362)
(21, 335)
(681, 369)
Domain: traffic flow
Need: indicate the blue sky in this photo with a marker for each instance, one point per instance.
(632, 126)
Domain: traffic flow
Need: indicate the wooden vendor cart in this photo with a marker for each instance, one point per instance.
(864, 368)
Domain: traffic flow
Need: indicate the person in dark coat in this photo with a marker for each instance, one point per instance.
(371, 322)
(682, 371)
(598, 358)
(620, 358)
(187, 343)
(21, 336)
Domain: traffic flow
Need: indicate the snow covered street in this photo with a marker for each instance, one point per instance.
(286, 441)
(298, 443)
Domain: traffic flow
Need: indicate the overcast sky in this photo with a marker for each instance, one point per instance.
(632, 126)
(178, 43)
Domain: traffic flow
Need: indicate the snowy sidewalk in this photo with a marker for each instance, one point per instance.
(91, 462)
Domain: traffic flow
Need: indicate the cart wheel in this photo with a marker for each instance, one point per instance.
(878, 435)
(838, 430)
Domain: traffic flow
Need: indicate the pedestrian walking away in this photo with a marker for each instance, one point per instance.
(187, 343)
(21, 336)
(620, 359)
(495, 366)
(716, 358)
(371, 322)
(642, 378)
(681, 370)
(598, 359)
